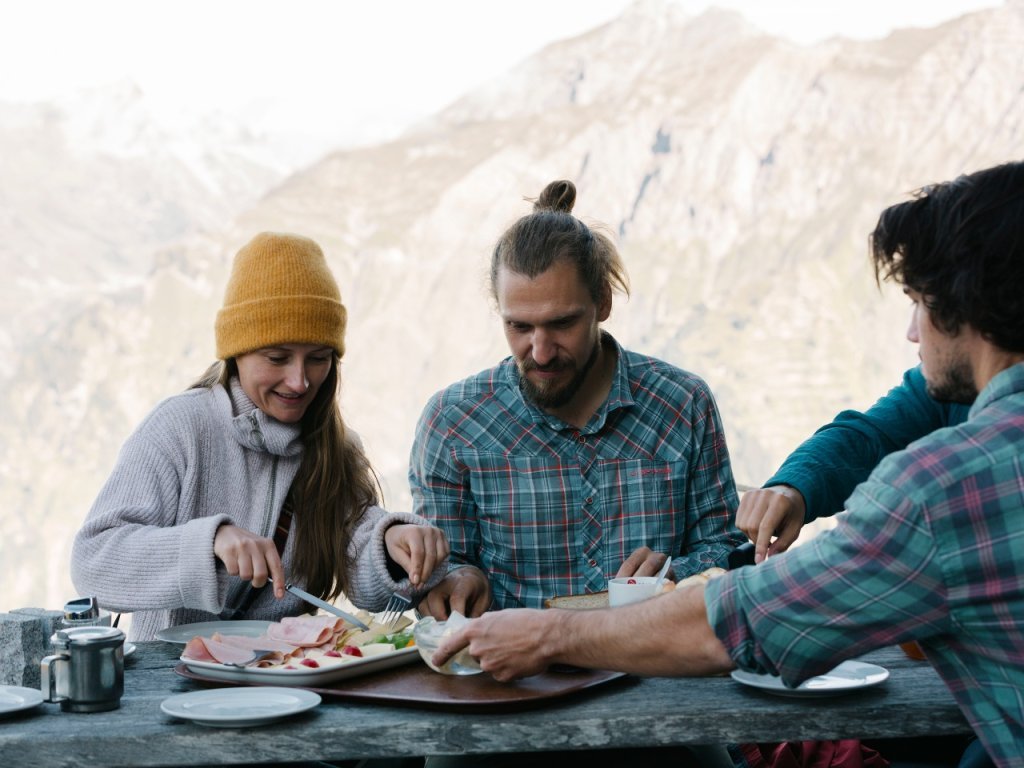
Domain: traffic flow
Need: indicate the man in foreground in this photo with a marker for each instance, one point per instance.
(574, 460)
(931, 546)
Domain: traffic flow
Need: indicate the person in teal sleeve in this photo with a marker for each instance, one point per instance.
(820, 475)
(930, 547)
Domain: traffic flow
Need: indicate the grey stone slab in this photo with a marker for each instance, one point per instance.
(24, 641)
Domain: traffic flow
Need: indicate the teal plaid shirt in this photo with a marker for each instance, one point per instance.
(545, 509)
(931, 548)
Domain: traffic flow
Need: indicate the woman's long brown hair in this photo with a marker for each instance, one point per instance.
(331, 491)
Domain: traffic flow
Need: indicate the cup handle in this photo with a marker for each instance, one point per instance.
(48, 678)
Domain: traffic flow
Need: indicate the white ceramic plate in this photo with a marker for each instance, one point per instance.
(847, 677)
(303, 676)
(14, 698)
(182, 633)
(239, 707)
(129, 649)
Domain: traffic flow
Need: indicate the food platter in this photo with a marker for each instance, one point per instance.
(304, 676)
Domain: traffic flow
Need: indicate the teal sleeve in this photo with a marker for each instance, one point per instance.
(827, 466)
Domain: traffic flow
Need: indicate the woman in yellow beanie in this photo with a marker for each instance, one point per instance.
(251, 473)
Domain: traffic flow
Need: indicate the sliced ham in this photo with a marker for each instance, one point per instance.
(208, 649)
(289, 638)
(306, 631)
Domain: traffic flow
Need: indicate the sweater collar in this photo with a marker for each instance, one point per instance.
(256, 430)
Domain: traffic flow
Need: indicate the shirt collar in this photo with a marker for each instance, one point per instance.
(1007, 382)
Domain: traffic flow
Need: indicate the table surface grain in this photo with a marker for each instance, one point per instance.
(627, 712)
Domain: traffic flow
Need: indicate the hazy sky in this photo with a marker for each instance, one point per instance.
(352, 67)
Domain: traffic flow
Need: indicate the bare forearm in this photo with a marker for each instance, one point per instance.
(666, 636)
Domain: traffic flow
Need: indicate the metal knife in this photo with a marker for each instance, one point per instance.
(325, 605)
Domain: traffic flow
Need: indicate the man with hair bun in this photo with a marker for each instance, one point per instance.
(573, 460)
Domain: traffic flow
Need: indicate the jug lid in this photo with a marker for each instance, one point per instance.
(91, 635)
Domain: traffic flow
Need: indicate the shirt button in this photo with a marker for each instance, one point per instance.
(589, 499)
(582, 439)
(592, 563)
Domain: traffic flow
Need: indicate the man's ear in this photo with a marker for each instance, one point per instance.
(604, 306)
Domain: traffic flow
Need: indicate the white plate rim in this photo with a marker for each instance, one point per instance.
(129, 649)
(29, 698)
(867, 676)
(180, 634)
(301, 700)
(304, 676)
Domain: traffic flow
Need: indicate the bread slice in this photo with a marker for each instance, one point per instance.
(578, 602)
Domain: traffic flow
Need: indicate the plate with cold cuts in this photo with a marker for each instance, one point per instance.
(304, 651)
(847, 677)
(239, 707)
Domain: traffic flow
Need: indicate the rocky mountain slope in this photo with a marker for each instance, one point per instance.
(739, 174)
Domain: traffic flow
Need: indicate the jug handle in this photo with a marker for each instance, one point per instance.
(47, 678)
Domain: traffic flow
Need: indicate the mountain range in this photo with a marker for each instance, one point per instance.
(738, 173)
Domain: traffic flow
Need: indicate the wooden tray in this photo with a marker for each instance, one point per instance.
(418, 685)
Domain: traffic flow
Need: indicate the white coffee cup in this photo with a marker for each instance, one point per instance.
(630, 589)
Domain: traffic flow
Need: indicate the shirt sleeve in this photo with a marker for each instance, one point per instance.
(827, 466)
(440, 489)
(874, 580)
(711, 496)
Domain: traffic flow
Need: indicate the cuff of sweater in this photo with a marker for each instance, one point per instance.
(201, 582)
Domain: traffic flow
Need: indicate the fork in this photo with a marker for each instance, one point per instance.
(257, 655)
(398, 604)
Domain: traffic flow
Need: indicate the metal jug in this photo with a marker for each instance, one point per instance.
(86, 672)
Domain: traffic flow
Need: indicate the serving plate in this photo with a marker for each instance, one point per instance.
(848, 677)
(14, 698)
(239, 707)
(303, 676)
(182, 633)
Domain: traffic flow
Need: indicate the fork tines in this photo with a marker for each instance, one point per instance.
(397, 605)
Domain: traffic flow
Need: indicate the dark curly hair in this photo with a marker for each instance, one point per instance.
(551, 233)
(960, 244)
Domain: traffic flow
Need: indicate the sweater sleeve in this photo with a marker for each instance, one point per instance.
(371, 583)
(827, 466)
(132, 551)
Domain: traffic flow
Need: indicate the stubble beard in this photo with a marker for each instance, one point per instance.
(956, 385)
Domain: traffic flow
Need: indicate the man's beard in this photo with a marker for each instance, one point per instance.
(956, 386)
(545, 397)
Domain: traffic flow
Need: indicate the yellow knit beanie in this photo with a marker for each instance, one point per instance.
(280, 292)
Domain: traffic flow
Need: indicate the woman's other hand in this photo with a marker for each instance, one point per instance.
(416, 548)
(250, 557)
(774, 511)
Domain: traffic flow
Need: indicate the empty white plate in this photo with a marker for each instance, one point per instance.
(847, 677)
(239, 707)
(14, 698)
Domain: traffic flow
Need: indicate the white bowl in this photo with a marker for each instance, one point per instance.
(428, 633)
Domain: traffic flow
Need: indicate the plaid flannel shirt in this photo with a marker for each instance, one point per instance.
(545, 509)
(931, 548)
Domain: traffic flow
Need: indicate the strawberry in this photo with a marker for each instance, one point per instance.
(351, 650)
(310, 663)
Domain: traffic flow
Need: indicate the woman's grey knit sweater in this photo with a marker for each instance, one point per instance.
(201, 459)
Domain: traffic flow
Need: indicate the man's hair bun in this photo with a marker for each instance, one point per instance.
(559, 196)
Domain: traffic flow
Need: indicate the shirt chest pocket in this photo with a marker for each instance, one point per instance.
(644, 501)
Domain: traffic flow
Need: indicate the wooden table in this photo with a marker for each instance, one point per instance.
(622, 713)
